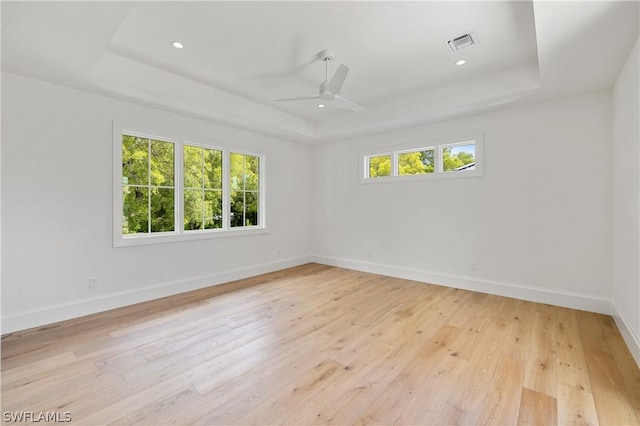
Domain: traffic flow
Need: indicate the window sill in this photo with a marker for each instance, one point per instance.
(422, 177)
(173, 237)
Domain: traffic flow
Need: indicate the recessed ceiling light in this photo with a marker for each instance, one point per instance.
(461, 62)
(320, 105)
(177, 44)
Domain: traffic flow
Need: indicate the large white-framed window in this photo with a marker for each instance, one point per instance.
(453, 157)
(203, 172)
(244, 190)
(170, 188)
(147, 185)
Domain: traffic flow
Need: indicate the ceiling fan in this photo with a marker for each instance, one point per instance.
(329, 90)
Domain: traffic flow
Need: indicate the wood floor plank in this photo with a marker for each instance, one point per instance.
(312, 386)
(502, 403)
(380, 392)
(517, 341)
(316, 344)
(613, 404)
(622, 357)
(430, 401)
(27, 371)
(575, 406)
(537, 408)
(571, 366)
(575, 401)
(142, 397)
(162, 410)
(64, 393)
(540, 365)
(51, 375)
(471, 393)
(233, 398)
(591, 332)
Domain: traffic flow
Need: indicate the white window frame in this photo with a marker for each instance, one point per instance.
(396, 161)
(437, 145)
(389, 154)
(225, 201)
(179, 234)
(261, 213)
(439, 155)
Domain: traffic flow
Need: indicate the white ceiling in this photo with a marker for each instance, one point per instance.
(240, 56)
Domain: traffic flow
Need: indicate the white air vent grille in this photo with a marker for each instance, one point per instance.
(462, 42)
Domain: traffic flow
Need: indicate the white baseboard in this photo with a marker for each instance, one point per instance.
(79, 308)
(585, 302)
(629, 336)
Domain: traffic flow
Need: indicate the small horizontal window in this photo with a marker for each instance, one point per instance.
(450, 157)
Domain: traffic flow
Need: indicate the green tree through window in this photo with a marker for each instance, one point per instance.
(416, 162)
(453, 158)
(244, 181)
(380, 166)
(202, 188)
(148, 185)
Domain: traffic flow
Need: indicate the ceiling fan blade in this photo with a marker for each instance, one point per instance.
(298, 99)
(335, 85)
(343, 103)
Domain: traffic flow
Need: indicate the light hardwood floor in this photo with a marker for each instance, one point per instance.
(322, 345)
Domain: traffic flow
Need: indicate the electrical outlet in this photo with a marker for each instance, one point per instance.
(474, 266)
(93, 282)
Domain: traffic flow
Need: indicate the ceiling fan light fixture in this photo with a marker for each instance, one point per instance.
(329, 89)
(177, 44)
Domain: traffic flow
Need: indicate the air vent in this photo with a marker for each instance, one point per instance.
(462, 42)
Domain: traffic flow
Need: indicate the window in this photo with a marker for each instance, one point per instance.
(443, 158)
(171, 189)
(148, 189)
(202, 188)
(458, 157)
(379, 165)
(416, 162)
(245, 190)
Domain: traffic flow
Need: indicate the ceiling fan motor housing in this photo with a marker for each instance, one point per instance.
(326, 55)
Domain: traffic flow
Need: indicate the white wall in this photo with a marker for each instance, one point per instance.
(56, 218)
(538, 223)
(626, 202)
